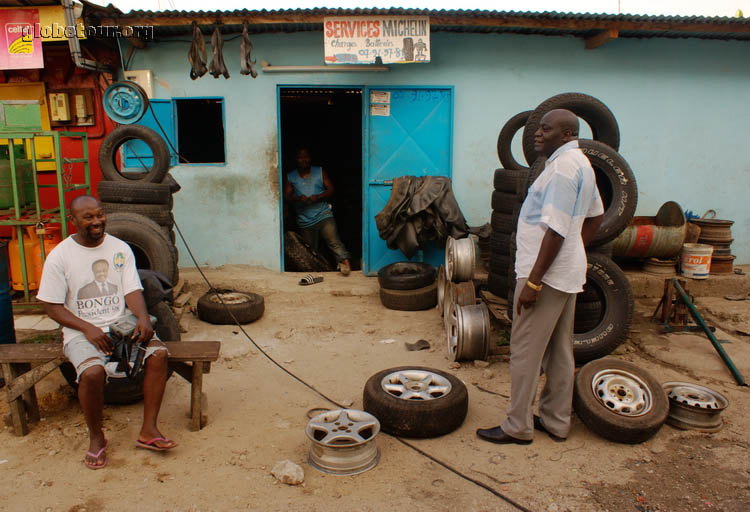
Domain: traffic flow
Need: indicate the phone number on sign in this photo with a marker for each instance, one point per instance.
(388, 53)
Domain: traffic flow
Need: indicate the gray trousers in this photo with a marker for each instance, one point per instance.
(326, 229)
(542, 338)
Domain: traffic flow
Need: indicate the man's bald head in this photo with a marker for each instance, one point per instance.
(83, 202)
(557, 127)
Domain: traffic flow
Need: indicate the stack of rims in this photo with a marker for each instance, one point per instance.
(717, 233)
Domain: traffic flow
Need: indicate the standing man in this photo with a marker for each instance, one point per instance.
(560, 215)
(310, 189)
(86, 318)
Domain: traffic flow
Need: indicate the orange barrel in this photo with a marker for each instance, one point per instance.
(51, 238)
(661, 236)
(30, 244)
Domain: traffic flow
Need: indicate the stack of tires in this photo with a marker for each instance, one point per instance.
(408, 286)
(139, 204)
(604, 310)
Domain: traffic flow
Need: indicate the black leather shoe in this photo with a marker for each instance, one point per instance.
(540, 426)
(496, 435)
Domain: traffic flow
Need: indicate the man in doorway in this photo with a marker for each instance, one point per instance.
(85, 321)
(560, 215)
(310, 189)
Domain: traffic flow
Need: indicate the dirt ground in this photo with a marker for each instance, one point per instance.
(334, 335)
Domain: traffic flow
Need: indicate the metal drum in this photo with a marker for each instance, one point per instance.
(694, 407)
(343, 441)
(460, 258)
(468, 332)
(661, 236)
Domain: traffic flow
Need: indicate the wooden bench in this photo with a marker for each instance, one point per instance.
(190, 359)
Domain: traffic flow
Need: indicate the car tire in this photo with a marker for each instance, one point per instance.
(237, 307)
(598, 116)
(156, 212)
(410, 300)
(406, 275)
(111, 144)
(503, 222)
(134, 192)
(503, 202)
(619, 401)
(509, 180)
(417, 418)
(302, 257)
(505, 140)
(607, 283)
(151, 246)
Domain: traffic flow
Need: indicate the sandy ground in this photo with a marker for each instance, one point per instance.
(332, 335)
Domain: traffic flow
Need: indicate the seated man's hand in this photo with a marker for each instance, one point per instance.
(143, 330)
(99, 339)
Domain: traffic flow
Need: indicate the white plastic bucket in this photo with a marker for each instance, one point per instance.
(695, 260)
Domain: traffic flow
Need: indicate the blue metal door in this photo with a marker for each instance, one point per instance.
(409, 133)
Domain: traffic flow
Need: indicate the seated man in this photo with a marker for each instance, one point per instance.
(70, 268)
(310, 189)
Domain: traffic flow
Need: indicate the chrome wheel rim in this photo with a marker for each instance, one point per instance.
(343, 441)
(441, 289)
(413, 384)
(622, 392)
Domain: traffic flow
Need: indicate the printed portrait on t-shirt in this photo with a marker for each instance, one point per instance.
(99, 287)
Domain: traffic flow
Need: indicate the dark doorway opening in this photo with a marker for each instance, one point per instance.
(200, 130)
(327, 121)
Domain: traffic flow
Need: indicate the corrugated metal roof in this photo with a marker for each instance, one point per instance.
(458, 20)
(28, 3)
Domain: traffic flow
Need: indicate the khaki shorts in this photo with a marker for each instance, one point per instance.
(83, 355)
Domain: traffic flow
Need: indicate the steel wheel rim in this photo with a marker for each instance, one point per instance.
(449, 261)
(414, 384)
(343, 441)
(229, 298)
(441, 289)
(452, 330)
(622, 392)
(694, 395)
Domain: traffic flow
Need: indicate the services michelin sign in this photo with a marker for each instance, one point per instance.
(364, 39)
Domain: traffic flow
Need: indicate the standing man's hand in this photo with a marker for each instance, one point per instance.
(98, 338)
(526, 299)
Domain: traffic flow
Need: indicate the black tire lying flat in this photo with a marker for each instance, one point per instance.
(120, 135)
(606, 411)
(509, 180)
(536, 169)
(302, 257)
(416, 418)
(505, 140)
(245, 307)
(503, 202)
(150, 245)
(606, 281)
(500, 263)
(122, 390)
(617, 188)
(406, 275)
(134, 192)
(156, 212)
(601, 120)
(498, 283)
(410, 300)
(503, 222)
(500, 243)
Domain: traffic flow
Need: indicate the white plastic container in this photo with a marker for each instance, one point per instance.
(695, 260)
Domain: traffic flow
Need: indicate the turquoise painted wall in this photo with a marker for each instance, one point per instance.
(682, 107)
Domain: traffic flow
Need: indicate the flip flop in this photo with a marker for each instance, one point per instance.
(95, 456)
(309, 279)
(151, 445)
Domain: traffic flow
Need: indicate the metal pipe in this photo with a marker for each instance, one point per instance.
(75, 45)
(699, 319)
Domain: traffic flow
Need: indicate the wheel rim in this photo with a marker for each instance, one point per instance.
(125, 102)
(416, 384)
(694, 407)
(622, 392)
(343, 441)
(441, 289)
(229, 298)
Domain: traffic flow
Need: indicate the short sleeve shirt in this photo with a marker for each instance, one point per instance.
(91, 282)
(560, 199)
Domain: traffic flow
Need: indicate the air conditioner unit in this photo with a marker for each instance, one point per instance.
(142, 77)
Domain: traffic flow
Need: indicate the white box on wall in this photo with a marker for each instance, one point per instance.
(142, 77)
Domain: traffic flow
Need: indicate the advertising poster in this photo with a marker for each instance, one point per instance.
(376, 39)
(19, 49)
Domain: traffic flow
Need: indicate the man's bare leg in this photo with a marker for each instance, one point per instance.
(91, 397)
(154, 382)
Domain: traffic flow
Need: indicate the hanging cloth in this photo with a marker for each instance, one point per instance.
(247, 64)
(217, 67)
(197, 54)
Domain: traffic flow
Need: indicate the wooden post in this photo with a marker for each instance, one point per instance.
(195, 396)
(29, 396)
(17, 407)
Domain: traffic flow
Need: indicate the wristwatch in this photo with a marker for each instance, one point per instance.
(535, 287)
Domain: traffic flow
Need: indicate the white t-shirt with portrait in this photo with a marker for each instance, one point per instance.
(90, 281)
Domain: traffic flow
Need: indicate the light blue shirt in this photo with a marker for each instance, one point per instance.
(309, 214)
(560, 199)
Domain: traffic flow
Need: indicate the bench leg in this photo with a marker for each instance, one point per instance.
(195, 396)
(16, 406)
(29, 397)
